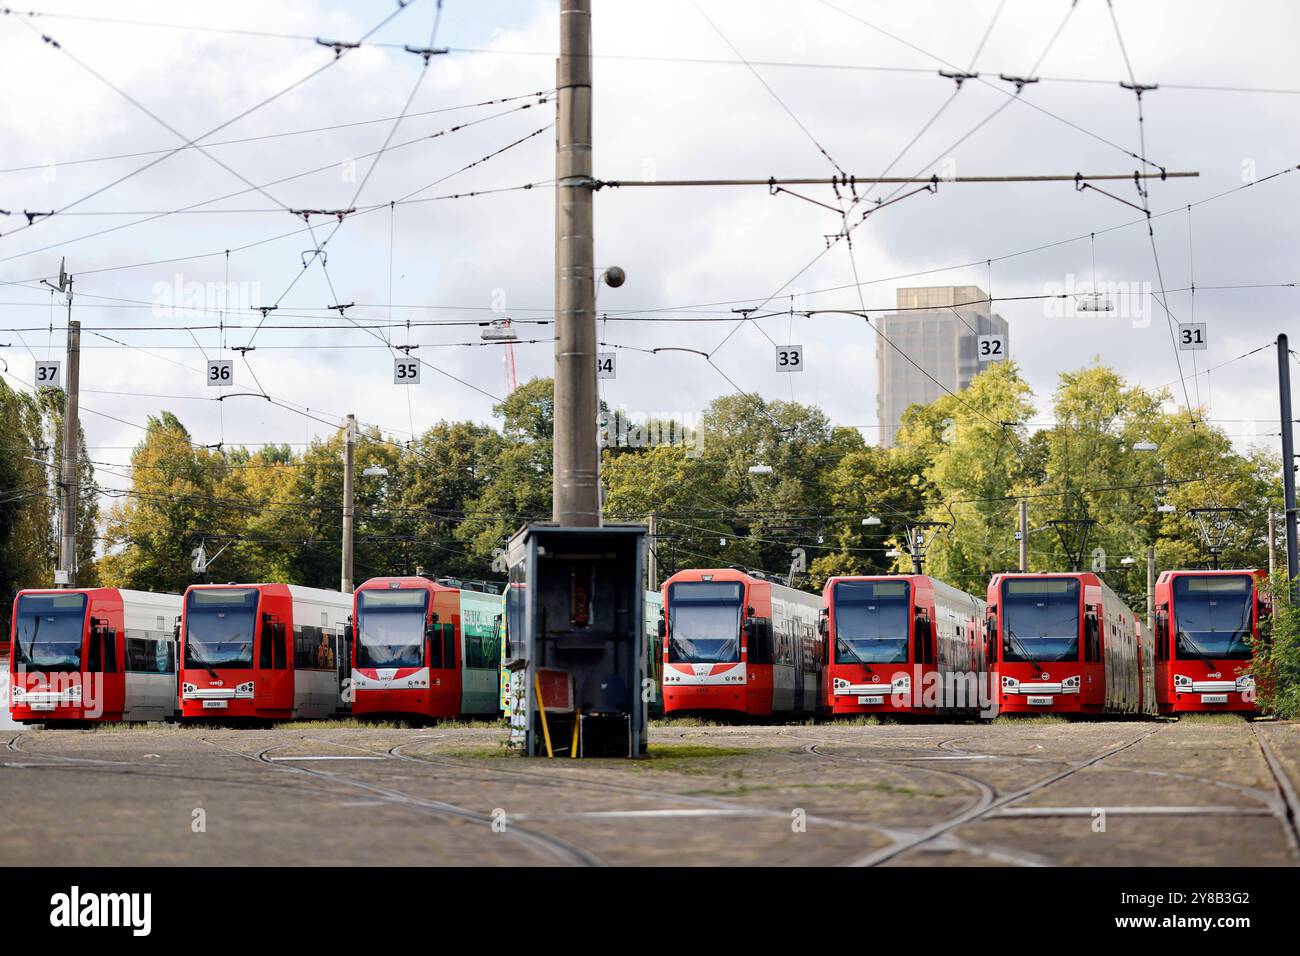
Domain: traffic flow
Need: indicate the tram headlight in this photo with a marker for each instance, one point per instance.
(1182, 680)
(1070, 682)
(187, 688)
(19, 692)
(1010, 685)
(245, 689)
(1245, 683)
(75, 691)
(903, 682)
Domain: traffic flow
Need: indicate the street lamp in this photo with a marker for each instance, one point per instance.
(870, 521)
(375, 471)
(1145, 445)
(760, 469)
(1166, 509)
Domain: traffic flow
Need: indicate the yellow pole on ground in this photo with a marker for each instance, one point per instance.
(573, 745)
(541, 706)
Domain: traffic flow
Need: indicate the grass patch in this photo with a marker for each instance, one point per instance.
(1213, 720)
(1014, 720)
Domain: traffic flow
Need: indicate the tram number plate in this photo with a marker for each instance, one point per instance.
(1214, 698)
(871, 700)
(1039, 701)
(214, 704)
(42, 705)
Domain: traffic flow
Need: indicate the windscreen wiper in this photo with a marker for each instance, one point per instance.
(199, 658)
(1184, 636)
(1023, 649)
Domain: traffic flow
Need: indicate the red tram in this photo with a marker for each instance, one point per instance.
(902, 644)
(1207, 626)
(265, 651)
(93, 655)
(1066, 643)
(424, 649)
(736, 642)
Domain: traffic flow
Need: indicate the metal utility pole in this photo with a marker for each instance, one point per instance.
(576, 481)
(1024, 535)
(1272, 543)
(349, 444)
(67, 571)
(1151, 587)
(1288, 459)
(652, 559)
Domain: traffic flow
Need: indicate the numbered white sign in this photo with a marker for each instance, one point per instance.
(47, 375)
(606, 365)
(789, 358)
(406, 371)
(992, 348)
(221, 372)
(1191, 336)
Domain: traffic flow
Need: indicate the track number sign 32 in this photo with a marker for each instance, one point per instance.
(406, 371)
(992, 348)
(789, 358)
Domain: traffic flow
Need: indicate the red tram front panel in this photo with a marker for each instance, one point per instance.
(1207, 626)
(739, 644)
(902, 644)
(263, 651)
(92, 655)
(404, 661)
(1066, 643)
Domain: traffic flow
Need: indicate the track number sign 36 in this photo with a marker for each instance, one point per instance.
(221, 372)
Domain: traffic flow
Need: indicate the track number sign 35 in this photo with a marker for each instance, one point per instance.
(406, 371)
(789, 358)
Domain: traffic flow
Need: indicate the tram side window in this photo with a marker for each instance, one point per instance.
(265, 656)
(281, 645)
(149, 655)
(449, 645)
(109, 638)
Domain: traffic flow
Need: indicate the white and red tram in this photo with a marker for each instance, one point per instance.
(93, 655)
(738, 643)
(264, 651)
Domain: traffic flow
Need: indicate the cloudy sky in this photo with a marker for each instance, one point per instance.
(844, 84)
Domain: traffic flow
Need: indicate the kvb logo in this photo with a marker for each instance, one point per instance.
(77, 909)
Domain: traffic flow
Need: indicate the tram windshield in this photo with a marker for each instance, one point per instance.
(1040, 619)
(391, 627)
(48, 630)
(871, 622)
(219, 628)
(704, 622)
(1213, 616)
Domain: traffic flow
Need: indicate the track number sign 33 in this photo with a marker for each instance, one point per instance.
(789, 358)
(221, 372)
(406, 371)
